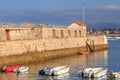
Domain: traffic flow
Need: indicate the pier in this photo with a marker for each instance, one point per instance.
(39, 43)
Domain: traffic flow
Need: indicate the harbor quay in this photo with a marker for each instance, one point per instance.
(33, 44)
(27, 51)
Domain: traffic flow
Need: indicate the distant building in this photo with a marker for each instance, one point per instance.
(81, 28)
(29, 31)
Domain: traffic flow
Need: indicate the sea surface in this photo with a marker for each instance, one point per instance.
(107, 58)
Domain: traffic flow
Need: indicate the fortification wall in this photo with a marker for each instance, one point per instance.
(22, 46)
(27, 51)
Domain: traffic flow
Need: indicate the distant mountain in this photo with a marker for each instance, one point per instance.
(103, 26)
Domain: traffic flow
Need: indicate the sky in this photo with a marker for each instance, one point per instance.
(59, 12)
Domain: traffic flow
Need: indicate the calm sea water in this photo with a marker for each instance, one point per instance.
(109, 58)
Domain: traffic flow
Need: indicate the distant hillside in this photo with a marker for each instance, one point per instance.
(103, 26)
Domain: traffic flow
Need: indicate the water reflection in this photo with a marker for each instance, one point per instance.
(97, 59)
(94, 79)
(75, 62)
(8, 76)
(60, 77)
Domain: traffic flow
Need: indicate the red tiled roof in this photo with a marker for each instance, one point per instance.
(79, 23)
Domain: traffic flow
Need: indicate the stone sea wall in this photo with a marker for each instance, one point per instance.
(26, 51)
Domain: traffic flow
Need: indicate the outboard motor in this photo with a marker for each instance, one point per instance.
(91, 74)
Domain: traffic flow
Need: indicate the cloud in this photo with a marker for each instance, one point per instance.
(111, 7)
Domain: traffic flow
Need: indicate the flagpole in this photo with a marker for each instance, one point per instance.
(83, 8)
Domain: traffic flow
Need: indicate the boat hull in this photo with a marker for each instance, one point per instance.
(22, 69)
(54, 71)
(94, 72)
(84, 53)
(11, 68)
(114, 75)
(60, 70)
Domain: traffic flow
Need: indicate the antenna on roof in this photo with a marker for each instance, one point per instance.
(83, 14)
(3, 22)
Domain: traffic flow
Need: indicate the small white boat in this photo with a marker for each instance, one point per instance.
(93, 72)
(113, 38)
(114, 75)
(56, 70)
(22, 69)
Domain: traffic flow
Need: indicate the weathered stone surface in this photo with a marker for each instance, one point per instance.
(13, 52)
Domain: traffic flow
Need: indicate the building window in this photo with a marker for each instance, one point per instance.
(69, 33)
(75, 33)
(61, 33)
(53, 33)
(80, 33)
(7, 34)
